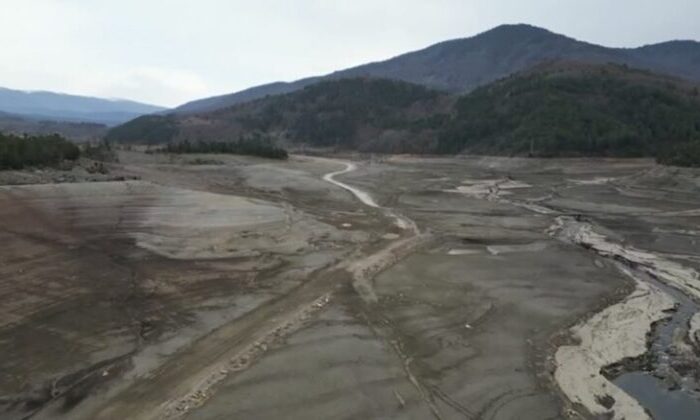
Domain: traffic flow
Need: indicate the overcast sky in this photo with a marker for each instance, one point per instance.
(170, 51)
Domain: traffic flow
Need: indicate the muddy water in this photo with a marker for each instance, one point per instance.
(664, 391)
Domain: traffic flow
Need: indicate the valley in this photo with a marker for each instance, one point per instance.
(336, 212)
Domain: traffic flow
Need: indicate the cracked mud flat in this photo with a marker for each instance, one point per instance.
(258, 289)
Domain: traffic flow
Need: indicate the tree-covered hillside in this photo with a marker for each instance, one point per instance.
(460, 65)
(147, 129)
(569, 109)
(554, 109)
(364, 114)
(345, 113)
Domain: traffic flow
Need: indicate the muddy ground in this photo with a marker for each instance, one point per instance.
(219, 287)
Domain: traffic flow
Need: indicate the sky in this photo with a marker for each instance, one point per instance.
(168, 52)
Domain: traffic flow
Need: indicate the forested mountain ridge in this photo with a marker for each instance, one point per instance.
(559, 108)
(461, 65)
(359, 113)
(575, 109)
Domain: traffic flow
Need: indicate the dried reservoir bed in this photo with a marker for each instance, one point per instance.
(247, 288)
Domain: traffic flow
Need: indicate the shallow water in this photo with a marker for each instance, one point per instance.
(652, 392)
(654, 395)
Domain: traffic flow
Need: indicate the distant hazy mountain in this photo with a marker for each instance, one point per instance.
(76, 131)
(63, 107)
(460, 65)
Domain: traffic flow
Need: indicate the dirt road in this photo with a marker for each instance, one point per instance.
(364, 197)
(401, 221)
(188, 378)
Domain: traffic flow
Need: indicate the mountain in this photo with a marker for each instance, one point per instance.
(222, 101)
(73, 108)
(557, 108)
(357, 113)
(576, 109)
(76, 131)
(461, 65)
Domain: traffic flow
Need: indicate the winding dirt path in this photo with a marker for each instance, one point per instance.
(365, 270)
(401, 221)
(364, 197)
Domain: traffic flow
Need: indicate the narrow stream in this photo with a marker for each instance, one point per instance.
(666, 381)
(669, 390)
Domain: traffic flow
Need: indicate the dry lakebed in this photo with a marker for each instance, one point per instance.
(352, 288)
